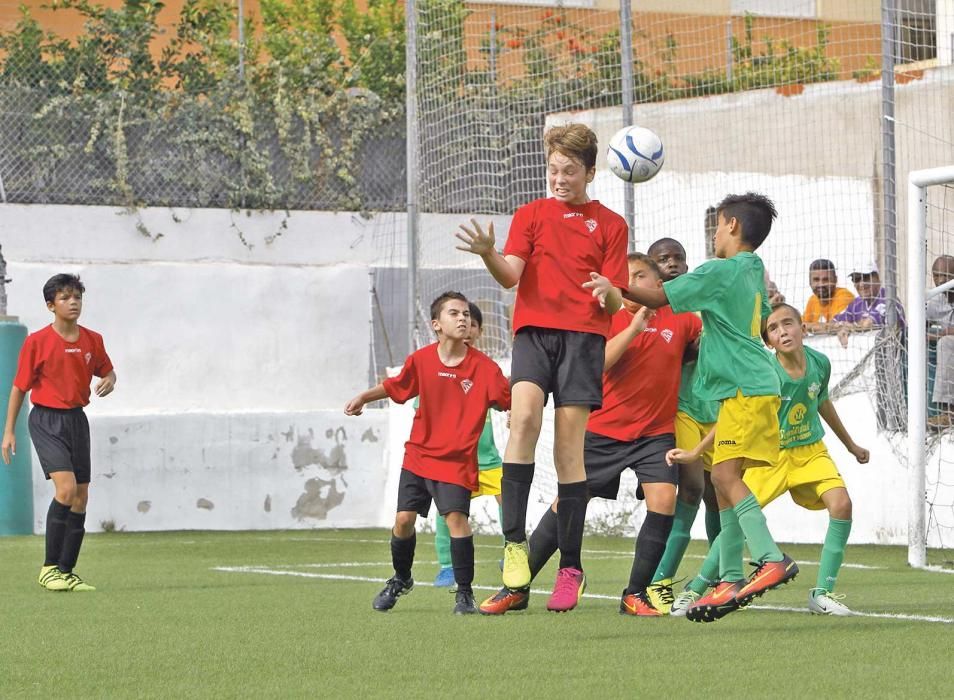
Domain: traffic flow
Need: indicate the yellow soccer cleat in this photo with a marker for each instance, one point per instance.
(516, 565)
(75, 583)
(51, 578)
(660, 595)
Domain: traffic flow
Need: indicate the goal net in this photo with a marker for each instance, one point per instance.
(787, 98)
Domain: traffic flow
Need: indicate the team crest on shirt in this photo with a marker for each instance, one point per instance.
(666, 335)
(590, 225)
(813, 390)
(89, 356)
(466, 385)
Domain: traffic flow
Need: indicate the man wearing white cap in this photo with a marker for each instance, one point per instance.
(869, 309)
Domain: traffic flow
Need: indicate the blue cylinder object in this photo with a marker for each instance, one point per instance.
(16, 479)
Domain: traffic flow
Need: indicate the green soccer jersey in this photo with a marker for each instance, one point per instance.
(730, 294)
(487, 455)
(798, 417)
(690, 404)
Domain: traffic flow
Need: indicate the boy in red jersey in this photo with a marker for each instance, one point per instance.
(457, 384)
(568, 253)
(633, 430)
(56, 365)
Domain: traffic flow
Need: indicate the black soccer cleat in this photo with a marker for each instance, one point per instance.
(393, 589)
(465, 603)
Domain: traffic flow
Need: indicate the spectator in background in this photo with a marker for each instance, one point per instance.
(827, 299)
(940, 318)
(774, 295)
(868, 310)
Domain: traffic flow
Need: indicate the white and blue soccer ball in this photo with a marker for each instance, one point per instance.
(635, 154)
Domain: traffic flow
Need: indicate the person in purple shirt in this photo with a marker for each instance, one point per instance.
(868, 310)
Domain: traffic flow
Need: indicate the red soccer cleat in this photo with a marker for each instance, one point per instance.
(638, 605)
(720, 602)
(505, 600)
(769, 575)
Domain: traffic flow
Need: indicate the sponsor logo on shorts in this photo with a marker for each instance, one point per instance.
(466, 385)
(727, 442)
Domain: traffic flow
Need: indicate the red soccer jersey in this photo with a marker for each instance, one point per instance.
(561, 245)
(641, 391)
(57, 372)
(450, 417)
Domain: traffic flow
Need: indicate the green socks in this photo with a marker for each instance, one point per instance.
(833, 553)
(730, 547)
(442, 542)
(709, 573)
(713, 525)
(677, 542)
(761, 545)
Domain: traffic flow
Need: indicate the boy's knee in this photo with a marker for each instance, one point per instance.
(524, 424)
(458, 524)
(839, 505)
(404, 524)
(66, 493)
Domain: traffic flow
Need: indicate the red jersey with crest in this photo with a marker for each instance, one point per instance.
(451, 413)
(57, 372)
(641, 391)
(561, 245)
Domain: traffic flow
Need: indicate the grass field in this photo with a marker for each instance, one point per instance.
(288, 614)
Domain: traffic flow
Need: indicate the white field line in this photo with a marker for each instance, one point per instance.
(611, 552)
(540, 591)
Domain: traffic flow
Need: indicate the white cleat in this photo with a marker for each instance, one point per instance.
(821, 602)
(682, 603)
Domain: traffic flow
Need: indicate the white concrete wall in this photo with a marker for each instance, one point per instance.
(234, 359)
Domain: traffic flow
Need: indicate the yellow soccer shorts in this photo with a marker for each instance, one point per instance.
(747, 428)
(488, 482)
(805, 472)
(690, 432)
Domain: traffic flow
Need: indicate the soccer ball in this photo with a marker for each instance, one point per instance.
(635, 154)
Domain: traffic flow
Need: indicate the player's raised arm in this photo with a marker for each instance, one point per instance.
(505, 269)
(826, 409)
(653, 298)
(616, 346)
(356, 405)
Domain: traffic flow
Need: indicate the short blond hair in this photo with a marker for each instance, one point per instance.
(576, 141)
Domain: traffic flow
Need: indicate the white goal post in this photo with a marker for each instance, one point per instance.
(918, 296)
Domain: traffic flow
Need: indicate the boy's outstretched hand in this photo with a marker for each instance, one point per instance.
(860, 453)
(476, 241)
(641, 318)
(354, 407)
(105, 385)
(9, 446)
(677, 456)
(600, 285)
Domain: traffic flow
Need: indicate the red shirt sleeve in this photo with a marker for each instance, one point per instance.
(103, 364)
(405, 386)
(499, 390)
(694, 326)
(615, 266)
(26, 367)
(520, 237)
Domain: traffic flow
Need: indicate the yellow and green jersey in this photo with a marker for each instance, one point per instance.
(690, 404)
(487, 455)
(730, 294)
(798, 419)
